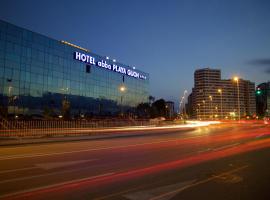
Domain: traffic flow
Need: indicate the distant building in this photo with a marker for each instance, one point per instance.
(215, 98)
(189, 105)
(169, 109)
(263, 99)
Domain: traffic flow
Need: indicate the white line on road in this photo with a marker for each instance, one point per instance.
(16, 170)
(53, 165)
(55, 185)
(41, 175)
(204, 150)
(48, 165)
(88, 150)
(226, 146)
(162, 196)
(258, 136)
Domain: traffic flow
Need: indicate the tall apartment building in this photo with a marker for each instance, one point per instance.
(215, 98)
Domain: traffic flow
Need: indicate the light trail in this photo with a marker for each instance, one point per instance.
(126, 175)
(55, 131)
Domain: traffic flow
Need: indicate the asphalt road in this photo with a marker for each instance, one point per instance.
(226, 161)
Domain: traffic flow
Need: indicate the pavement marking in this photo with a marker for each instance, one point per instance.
(53, 165)
(164, 195)
(40, 175)
(229, 178)
(174, 192)
(120, 193)
(226, 146)
(15, 170)
(88, 150)
(204, 150)
(258, 136)
(48, 166)
(54, 185)
(148, 194)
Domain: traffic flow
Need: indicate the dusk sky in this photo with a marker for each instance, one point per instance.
(168, 39)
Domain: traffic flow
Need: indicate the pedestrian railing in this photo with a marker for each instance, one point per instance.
(60, 127)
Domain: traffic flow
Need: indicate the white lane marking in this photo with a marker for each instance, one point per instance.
(55, 185)
(15, 170)
(174, 192)
(48, 166)
(41, 175)
(53, 165)
(88, 150)
(204, 150)
(258, 136)
(147, 194)
(226, 146)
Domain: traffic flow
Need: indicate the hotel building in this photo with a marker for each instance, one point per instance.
(47, 77)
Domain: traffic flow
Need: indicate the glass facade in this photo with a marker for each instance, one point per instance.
(41, 76)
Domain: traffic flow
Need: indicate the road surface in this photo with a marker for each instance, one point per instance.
(226, 161)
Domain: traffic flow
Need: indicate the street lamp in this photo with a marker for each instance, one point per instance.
(199, 111)
(221, 112)
(185, 92)
(203, 109)
(10, 100)
(236, 79)
(65, 103)
(122, 89)
(211, 108)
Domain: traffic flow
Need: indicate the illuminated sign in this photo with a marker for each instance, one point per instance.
(103, 63)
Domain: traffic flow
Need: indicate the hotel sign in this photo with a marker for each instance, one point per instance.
(103, 63)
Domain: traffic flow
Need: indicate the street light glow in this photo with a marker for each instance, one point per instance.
(236, 78)
(122, 88)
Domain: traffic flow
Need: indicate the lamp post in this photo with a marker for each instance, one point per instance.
(236, 79)
(184, 111)
(65, 104)
(203, 109)
(211, 107)
(199, 111)
(221, 112)
(10, 98)
(9, 95)
(122, 90)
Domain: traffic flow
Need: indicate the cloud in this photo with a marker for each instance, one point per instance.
(264, 63)
(267, 70)
(261, 62)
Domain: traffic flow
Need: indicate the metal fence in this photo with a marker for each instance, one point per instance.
(57, 127)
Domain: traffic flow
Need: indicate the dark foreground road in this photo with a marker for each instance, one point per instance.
(216, 162)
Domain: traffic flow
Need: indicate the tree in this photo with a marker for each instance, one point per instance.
(143, 110)
(156, 109)
(159, 108)
(66, 109)
(151, 99)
